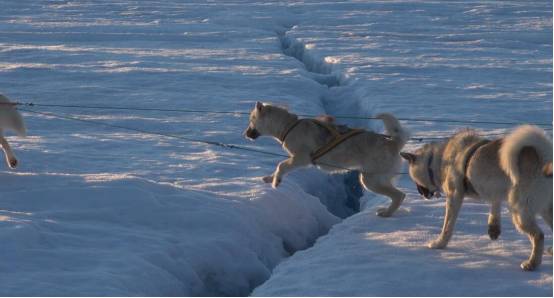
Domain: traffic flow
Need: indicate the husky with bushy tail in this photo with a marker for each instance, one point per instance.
(517, 168)
(10, 118)
(526, 157)
(376, 156)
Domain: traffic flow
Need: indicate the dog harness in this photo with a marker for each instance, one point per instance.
(470, 152)
(430, 171)
(338, 138)
(288, 129)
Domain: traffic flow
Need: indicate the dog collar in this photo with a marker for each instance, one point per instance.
(287, 130)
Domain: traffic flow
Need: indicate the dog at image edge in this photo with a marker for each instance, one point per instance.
(10, 119)
(376, 156)
(517, 168)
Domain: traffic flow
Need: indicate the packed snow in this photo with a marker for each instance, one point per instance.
(93, 210)
(464, 60)
(369, 256)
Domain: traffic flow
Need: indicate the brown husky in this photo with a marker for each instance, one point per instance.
(376, 156)
(511, 168)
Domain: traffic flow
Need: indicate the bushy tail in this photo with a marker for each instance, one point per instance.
(394, 129)
(521, 137)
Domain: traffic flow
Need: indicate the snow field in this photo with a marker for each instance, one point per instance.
(143, 215)
(464, 60)
(98, 211)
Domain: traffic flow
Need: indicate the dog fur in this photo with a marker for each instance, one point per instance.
(10, 119)
(376, 156)
(511, 168)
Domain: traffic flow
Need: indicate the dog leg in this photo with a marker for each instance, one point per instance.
(268, 179)
(10, 157)
(453, 205)
(286, 166)
(525, 222)
(547, 216)
(494, 219)
(386, 188)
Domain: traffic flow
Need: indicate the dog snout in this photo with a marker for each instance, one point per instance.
(425, 192)
(251, 133)
(13, 163)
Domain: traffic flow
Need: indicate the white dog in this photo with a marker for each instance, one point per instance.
(515, 168)
(10, 119)
(334, 148)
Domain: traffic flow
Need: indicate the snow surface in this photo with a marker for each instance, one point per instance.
(99, 211)
(468, 60)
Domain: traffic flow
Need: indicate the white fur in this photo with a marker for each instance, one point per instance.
(394, 129)
(500, 170)
(10, 118)
(376, 156)
(523, 136)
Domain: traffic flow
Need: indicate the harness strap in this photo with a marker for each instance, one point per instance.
(334, 143)
(288, 129)
(470, 152)
(327, 126)
(338, 138)
(430, 171)
(331, 129)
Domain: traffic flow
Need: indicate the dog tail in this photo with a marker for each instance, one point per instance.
(394, 129)
(525, 136)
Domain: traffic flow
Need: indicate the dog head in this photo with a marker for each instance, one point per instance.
(420, 171)
(257, 122)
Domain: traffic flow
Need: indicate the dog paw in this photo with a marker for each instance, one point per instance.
(384, 212)
(268, 179)
(529, 265)
(494, 231)
(437, 244)
(276, 182)
(12, 163)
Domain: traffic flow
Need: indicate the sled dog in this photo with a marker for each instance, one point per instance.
(10, 119)
(334, 148)
(513, 168)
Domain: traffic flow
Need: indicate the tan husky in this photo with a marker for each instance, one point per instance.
(9, 118)
(376, 156)
(511, 168)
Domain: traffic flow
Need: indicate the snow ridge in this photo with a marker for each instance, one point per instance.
(321, 71)
(325, 73)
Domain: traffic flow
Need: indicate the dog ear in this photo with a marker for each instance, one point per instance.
(259, 106)
(408, 156)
